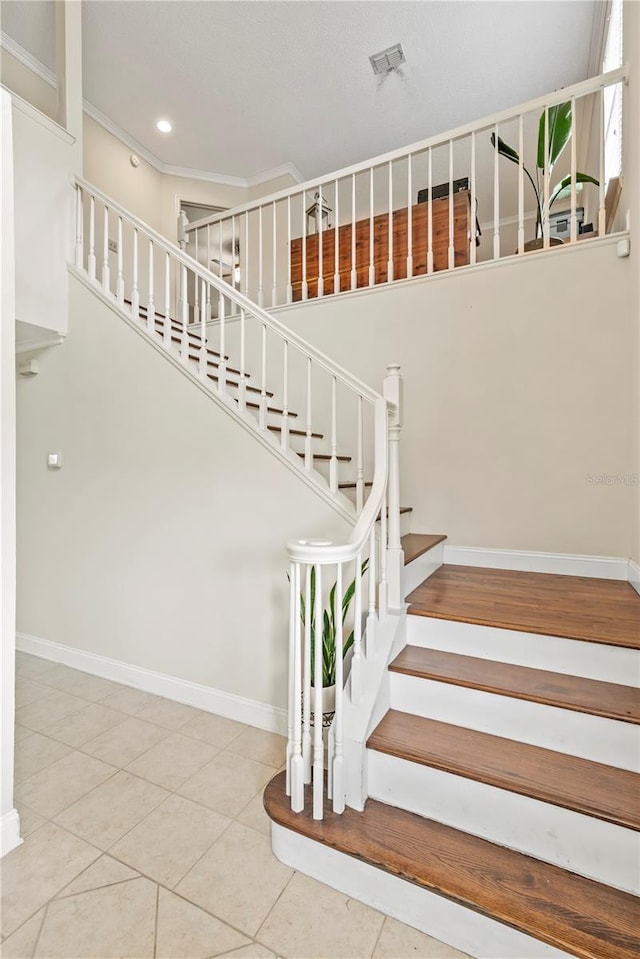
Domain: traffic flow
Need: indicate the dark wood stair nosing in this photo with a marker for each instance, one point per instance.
(524, 683)
(565, 910)
(417, 544)
(570, 782)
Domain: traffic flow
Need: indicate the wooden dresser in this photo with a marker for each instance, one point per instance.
(462, 221)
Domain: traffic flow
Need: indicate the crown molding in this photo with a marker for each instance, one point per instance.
(26, 59)
(36, 66)
(277, 171)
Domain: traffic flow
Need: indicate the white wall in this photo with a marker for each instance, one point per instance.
(44, 164)
(520, 384)
(9, 822)
(161, 541)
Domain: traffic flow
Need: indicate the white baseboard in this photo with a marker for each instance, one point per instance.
(249, 711)
(9, 832)
(566, 564)
(634, 575)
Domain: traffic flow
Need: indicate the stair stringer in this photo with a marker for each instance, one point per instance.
(312, 478)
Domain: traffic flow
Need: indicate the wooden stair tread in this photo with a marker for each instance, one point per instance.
(573, 607)
(233, 382)
(415, 544)
(270, 409)
(293, 432)
(593, 789)
(216, 363)
(403, 510)
(592, 696)
(327, 457)
(353, 485)
(569, 912)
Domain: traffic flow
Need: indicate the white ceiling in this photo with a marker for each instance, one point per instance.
(250, 86)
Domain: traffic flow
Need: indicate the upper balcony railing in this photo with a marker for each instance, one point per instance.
(490, 189)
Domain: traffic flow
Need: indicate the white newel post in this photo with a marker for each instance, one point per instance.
(393, 392)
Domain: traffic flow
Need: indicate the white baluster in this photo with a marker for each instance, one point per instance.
(260, 260)
(220, 253)
(308, 457)
(91, 262)
(360, 458)
(234, 265)
(520, 184)
(356, 660)
(135, 292)
(318, 744)
(372, 267)
(263, 390)
(390, 228)
(243, 386)
(336, 237)
(392, 390)
(472, 232)
(574, 166)
(246, 253)
(545, 183)
(496, 197)
(106, 274)
(295, 764)
(274, 287)
(338, 778)
(166, 329)
(320, 245)
(209, 263)
(151, 308)
(333, 463)
(306, 678)
(184, 339)
(429, 212)
(373, 581)
(354, 271)
(204, 358)
(304, 293)
(196, 303)
(289, 283)
(602, 213)
(120, 280)
(409, 218)
(79, 228)
(222, 365)
(452, 248)
(284, 433)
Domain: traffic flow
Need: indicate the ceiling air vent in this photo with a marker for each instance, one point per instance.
(387, 60)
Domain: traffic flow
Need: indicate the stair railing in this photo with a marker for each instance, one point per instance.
(279, 385)
(320, 620)
(448, 201)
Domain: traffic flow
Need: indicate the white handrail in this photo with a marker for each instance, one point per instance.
(577, 90)
(225, 289)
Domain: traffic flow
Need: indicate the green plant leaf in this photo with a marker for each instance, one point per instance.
(560, 122)
(504, 149)
(566, 181)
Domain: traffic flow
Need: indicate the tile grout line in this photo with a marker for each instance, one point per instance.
(294, 873)
(155, 926)
(45, 912)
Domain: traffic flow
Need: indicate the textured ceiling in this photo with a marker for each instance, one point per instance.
(252, 85)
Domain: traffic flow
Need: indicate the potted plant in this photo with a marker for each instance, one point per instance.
(560, 128)
(328, 637)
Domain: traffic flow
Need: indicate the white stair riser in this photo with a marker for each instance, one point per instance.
(434, 915)
(600, 850)
(612, 664)
(591, 737)
(421, 568)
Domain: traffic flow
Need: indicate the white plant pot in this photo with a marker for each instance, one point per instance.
(328, 704)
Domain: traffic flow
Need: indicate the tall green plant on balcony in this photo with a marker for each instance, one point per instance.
(560, 130)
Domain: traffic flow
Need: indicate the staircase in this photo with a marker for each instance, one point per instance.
(503, 811)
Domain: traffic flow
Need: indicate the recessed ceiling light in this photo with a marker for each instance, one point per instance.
(387, 60)
(164, 126)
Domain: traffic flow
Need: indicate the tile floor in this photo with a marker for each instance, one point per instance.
(145, 836)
